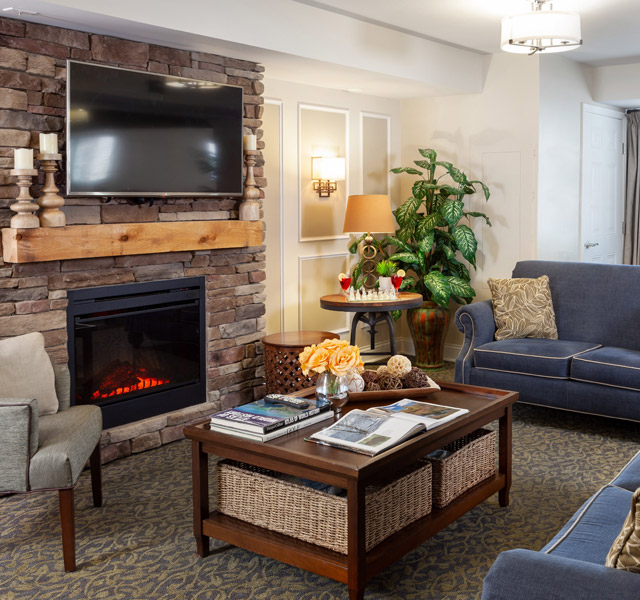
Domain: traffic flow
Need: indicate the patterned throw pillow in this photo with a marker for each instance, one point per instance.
(625, 551)
(523, 308)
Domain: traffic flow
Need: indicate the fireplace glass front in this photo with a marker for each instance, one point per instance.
(137, 350)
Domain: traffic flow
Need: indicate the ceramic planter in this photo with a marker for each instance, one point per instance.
(428, 326)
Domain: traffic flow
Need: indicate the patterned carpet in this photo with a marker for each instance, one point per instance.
(139, 545)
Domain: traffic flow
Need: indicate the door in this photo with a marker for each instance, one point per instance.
(601, 205)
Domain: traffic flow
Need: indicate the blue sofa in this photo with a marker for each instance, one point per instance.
(593, 366)
(571, 565)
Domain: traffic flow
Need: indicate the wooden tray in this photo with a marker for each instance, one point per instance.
(391, 395)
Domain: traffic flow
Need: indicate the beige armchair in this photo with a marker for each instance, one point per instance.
(48, 452)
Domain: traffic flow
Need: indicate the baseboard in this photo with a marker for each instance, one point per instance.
(404, 345)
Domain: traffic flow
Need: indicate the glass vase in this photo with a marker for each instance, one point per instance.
(333, 388)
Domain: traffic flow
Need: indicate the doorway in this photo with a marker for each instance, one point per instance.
(602, 185)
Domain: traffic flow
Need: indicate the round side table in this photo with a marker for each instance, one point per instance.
(371, 313)
(282, 368)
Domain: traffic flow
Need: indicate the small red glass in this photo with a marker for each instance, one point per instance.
(345, 282)
(396, 281)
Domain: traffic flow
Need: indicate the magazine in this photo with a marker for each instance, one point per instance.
(269, 414)
(374, 430)
(256, 437)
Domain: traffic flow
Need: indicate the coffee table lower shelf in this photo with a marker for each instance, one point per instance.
(334, 565)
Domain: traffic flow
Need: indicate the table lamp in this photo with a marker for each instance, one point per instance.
(368, 213)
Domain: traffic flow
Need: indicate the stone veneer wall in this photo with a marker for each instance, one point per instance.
(33, 296)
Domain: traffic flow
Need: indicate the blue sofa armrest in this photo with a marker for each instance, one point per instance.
(477, 323)
(529, 575)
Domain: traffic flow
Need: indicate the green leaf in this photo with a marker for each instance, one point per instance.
(451, 255)
(396, 314)
(460, 270)
(409, 170)
(357, 271)
(398, 243)
(485, 189)
(478, 214)
(406, 257)
(466, 242)
(423, 164)
(439, 287)
(452, 211)
(446, 164)
(428, 153)
(457, 175)
(450, 191)
(426, 243)
(408, 283)
(353, 247)
(406, 211)
(419, 190)
(460, 287)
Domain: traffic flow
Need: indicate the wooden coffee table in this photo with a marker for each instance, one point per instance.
(293, 455)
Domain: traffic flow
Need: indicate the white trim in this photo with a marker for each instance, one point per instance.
(599, 362)
(578, 412)
(330, 109)
(603, 110)
(538, 355)
(624, 469)
(316, 257)
(372, 115)
(612, 385)
(521, 373)
(280, 104)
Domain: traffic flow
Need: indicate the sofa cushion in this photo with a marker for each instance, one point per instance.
(530, 356)
(629, 477)
(589, 534)
(617, 367)
(26, 371)
(523, 308)
(625, 551)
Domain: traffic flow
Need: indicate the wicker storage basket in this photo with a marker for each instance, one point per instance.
(473, 459)
(259, 497)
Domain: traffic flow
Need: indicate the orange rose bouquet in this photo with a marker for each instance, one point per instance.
(335, 356)
(332, 360)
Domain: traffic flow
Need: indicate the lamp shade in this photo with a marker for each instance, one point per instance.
(545, 30)
(368, 213)
(325, 167)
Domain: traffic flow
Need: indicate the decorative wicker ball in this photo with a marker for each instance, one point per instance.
(382, 370)
(355, 383)
(372, 386)
(416, 378)
(398, 365)
(389, 382)
(369, 376)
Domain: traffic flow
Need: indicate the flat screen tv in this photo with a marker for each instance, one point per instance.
(132, 133)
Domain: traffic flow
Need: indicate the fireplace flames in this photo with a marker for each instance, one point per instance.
(124, 378)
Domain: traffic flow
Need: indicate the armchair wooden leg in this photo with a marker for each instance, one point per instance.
(67, 520)
(96, 475)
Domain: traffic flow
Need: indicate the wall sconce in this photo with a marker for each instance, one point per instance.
(325, 172)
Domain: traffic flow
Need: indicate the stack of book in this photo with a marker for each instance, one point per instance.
(271, 417)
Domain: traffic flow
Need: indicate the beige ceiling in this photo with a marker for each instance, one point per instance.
(609, 27)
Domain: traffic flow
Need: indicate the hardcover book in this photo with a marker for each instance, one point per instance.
(256, 437)
(263, 416)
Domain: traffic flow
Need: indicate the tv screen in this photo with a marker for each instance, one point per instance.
(132, 133)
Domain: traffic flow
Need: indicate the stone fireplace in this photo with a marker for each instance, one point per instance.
(35, 294)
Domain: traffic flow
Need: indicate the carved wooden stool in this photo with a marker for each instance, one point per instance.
(282, 368)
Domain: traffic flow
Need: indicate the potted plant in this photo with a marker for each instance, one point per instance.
(385, 268)
(431, 243)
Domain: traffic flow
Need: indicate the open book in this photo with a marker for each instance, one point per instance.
(374, 430)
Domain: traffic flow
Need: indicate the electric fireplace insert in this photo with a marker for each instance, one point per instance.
(138, 350)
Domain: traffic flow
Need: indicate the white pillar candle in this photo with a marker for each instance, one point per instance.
(23, 158)
(250, 142)
(48, 143)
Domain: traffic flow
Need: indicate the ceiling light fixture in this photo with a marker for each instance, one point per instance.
(541, 30)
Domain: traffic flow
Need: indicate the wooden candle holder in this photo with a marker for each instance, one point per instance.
(249, 207)
(50, 201)
(24, 205)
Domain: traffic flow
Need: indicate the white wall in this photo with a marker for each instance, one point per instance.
(493, 136)
(301, 274)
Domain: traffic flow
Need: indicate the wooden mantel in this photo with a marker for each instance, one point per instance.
(93, 241)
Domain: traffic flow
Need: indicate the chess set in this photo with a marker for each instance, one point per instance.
(370, 295)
